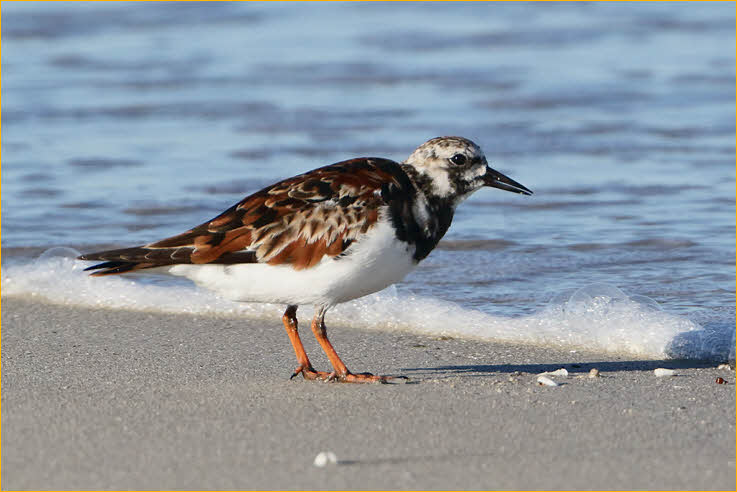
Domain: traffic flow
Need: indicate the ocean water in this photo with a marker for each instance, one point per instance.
(124, 123)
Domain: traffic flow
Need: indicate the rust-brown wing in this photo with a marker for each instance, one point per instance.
(297, 222)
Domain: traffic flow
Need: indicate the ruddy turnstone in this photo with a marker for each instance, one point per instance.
(330, 235)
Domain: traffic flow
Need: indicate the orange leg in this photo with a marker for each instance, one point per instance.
(340, 371)
(305, 367)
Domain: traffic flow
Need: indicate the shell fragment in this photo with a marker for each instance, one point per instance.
(543, 380)
(558, 372)
(661, 372)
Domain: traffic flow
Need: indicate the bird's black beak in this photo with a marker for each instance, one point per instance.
(498, 180)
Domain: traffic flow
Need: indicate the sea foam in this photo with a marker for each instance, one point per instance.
(597, 317)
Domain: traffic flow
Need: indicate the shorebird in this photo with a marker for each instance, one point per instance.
(324, 237)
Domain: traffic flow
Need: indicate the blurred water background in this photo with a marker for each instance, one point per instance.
(128, 122)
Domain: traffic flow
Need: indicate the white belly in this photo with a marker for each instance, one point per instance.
(375, 262)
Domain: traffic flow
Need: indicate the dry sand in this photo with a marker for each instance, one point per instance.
(103, 399)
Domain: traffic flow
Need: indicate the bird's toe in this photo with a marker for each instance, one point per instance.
(311, 374)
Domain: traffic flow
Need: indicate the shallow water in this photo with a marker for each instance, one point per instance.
(125, 123)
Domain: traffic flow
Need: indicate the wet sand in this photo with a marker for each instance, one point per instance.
(105, 399)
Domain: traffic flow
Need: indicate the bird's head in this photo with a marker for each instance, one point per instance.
(455, 167)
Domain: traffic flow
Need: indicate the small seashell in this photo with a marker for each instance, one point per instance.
(661, 372)
(325, 458)
(543, 380)
(721, 381)
(594, 373)
(724, 367)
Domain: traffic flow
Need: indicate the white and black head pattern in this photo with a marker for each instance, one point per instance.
(444, 171)
(450, 168)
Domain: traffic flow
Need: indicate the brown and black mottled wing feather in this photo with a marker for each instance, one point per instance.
(297, 222)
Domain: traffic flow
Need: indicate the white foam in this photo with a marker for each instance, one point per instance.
(598, 317)
(57, 277)
(601, 323)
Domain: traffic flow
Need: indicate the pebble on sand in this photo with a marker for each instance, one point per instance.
(325, 458)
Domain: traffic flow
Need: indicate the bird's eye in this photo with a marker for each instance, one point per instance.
(458, 159)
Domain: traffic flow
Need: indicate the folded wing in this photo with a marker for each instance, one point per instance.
(295, 222)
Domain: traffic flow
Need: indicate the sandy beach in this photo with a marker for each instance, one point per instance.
(106, 399)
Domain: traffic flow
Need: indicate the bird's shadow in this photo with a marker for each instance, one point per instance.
(679, 350)
(482, 370)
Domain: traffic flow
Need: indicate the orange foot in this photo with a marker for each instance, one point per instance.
(364, 377)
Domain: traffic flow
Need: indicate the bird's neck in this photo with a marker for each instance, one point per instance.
(422, 214)
(435, 196)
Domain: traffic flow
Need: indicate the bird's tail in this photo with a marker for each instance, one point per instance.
(128, 260)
